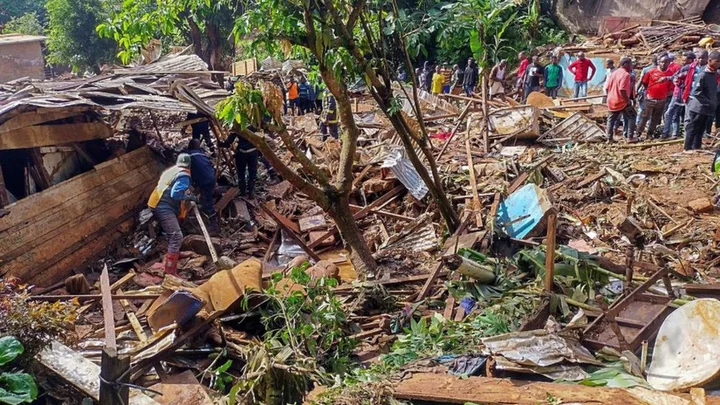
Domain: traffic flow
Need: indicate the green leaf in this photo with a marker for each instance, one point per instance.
(10, 348)
(17, 388)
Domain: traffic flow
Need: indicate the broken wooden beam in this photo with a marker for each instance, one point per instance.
(448, 389)
(285, 224)
(89, 297)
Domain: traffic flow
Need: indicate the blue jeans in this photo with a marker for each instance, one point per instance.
(581, 89)
(672, 118)
(468, 89)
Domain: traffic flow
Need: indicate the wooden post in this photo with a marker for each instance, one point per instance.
(114, 369)
(205, 233)
(486, 127)
(550, 253)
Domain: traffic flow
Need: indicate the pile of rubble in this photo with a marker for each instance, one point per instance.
(572, 256)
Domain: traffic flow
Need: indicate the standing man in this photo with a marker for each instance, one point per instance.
(203, 178)
(702, 104)
(293, 95)
(553, 77)
(609, 69)
(329, 118)
(524, 63)
(437, 81)
(304, 92)
(456, 78)
(657, 84)
(201, 129)
(426, 75)
(619, 93)
(581, 68)
(533, 73)
(168, 204)
(402, 75)
(447, 78)
(246, 162)
(470, 78)
(497, 75)
(674, 110)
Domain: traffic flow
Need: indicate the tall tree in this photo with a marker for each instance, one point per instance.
(247, 107)
(10, 9)
(346, 35)
(207, 25)
(72, 37)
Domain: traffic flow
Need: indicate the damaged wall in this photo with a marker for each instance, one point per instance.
(48, 234)
(21, 56)
(584, 16)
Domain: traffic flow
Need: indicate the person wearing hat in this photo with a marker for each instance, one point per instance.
(169, 203)
(676, 107)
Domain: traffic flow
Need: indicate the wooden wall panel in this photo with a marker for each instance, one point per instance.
(50, 135)
(70, 223)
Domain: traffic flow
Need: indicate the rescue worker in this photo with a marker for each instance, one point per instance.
(203, 178)
(329, 117)
(246, 162)
(169, 203)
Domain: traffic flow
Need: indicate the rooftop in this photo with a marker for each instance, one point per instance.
(20, 38)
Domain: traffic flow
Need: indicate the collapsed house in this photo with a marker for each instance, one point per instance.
(65, 192)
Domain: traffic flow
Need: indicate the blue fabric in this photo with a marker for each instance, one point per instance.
(304, 90)
(672, 118)
(173, 195)
(179, 188)
(203, 171)
(581, 89)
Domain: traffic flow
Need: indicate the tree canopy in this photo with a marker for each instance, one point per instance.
(72, 37)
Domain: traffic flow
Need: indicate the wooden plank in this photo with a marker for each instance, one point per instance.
(361, 214)
(137, 328)
(38, 117)
(226, 198)
(40, 175)
(281, 221)
(49, 135)
(88, 297)
(550, 252)
(107, 305)
(77, 230)
(36, 230)
(473, 179)
(448, 389)
(67, 191)
(205, 233)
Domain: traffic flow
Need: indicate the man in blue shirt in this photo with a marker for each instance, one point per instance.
(305, 92)
(168, 203)
(203, 178)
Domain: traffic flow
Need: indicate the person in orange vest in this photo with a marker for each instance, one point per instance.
(169, 203)
(294, 96)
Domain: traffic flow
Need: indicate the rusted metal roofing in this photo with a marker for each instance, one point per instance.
(142, 87)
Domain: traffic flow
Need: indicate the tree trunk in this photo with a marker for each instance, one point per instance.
(360, 255)
(196, 36)
(213, 51)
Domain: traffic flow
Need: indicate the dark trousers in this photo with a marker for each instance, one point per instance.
(247, 165)
(652, 112)
(529, 89)
(332, 129)
(207, 202)
(628, 116)
(552, 91)
(695, 129)
(171, 226)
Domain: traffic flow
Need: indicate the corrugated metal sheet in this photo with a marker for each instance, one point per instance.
(576, 127)
(403, 169)
(418, 236)
(143, 87)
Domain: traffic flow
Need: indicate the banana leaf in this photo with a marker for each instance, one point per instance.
(568, 262)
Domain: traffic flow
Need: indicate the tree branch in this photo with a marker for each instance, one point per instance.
(354, 14)
(314, 192)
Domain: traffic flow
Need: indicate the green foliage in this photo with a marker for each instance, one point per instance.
(244, 107)
(307, 337)
(10, 9)
(15, 387)
(10, 348)
(72, 37)
(34, 323)
(613, 377)
(137, 22)
(221, 378)
(27, 24)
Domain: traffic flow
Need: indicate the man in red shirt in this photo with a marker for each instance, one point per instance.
(619, 92)
(580, 68)
(657, 83)
(524, 63)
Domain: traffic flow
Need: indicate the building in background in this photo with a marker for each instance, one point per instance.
(21, 56)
